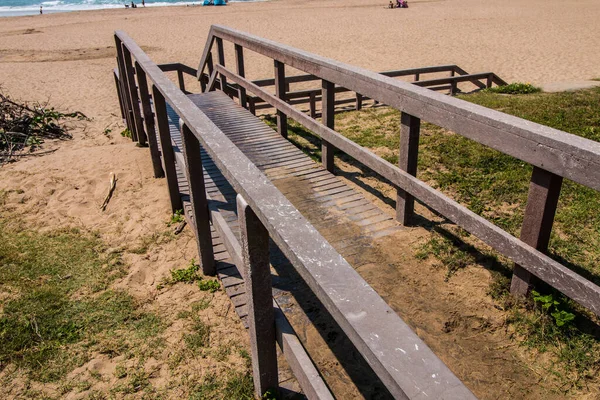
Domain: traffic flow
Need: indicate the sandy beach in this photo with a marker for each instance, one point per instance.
(68, 58)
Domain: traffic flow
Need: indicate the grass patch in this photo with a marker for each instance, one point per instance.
(238, 385)
(514, 88)
(57, 306)
(211, 285)
(176, 218)
(186, 275)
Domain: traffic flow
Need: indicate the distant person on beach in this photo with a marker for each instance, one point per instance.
(143, 3)
(41, 12)
(133, 5)
(391, 5)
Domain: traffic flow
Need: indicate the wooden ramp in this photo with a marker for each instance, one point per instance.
(319, 195)
(323, 198)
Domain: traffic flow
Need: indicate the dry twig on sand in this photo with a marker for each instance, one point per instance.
(180, 227)
(111, 189)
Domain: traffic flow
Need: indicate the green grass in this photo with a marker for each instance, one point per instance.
(211, 285)
(238, 385)
(57, 306)
(186, 275)
(514, 88)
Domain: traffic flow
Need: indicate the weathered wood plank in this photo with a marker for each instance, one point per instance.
(280, 89)
(195, 177)
(261, 319)
(410, 128)
(544, 191)
(168, 157)
(328, 119)
(149, 120)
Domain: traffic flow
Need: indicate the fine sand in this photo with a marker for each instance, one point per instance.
(68, 60)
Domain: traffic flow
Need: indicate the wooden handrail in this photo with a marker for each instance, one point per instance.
(566, 155)
(568, 282)
(401, 360)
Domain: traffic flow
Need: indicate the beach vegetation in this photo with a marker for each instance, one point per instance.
(209, 285)
(58, 307)
(176, 218)
(514, 88)
(24, 127)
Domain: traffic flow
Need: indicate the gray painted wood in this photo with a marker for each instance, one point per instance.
(123, 81)
(149, 120)
(241, 71)
(197, 192)
(410, 128)
(162, 123)
(221, 60)
(544, 191)
(138, 134)
(119, 94)
(261, 318)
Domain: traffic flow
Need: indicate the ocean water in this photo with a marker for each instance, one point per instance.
(10, 8)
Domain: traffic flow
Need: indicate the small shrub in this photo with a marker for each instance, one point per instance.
(550, 306)
(515, 88)
(186, 275)
(177, 217)
(126, 133)
(209, 286)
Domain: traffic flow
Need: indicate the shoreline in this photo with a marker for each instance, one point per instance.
(28, 11)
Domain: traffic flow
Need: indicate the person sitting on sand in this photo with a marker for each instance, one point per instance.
(391, 5)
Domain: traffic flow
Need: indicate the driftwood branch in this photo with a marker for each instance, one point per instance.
(111, 189)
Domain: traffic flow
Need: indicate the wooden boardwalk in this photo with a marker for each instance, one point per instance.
(323, 198)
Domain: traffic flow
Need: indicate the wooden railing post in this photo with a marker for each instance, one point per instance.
(328, 119)
(123, 83)
(453, 88)
(252, 106)
(280, 92)
(138, 134)
(359, 100)
(313, 104)
(261, 317)
(544, 191)
(166, 148)
(490, 80)
(201, 215)
(239, 60)
(181, 80)
(407, 161)
(119, 94)
(204, 78)
(149, 120)
(221, 58)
